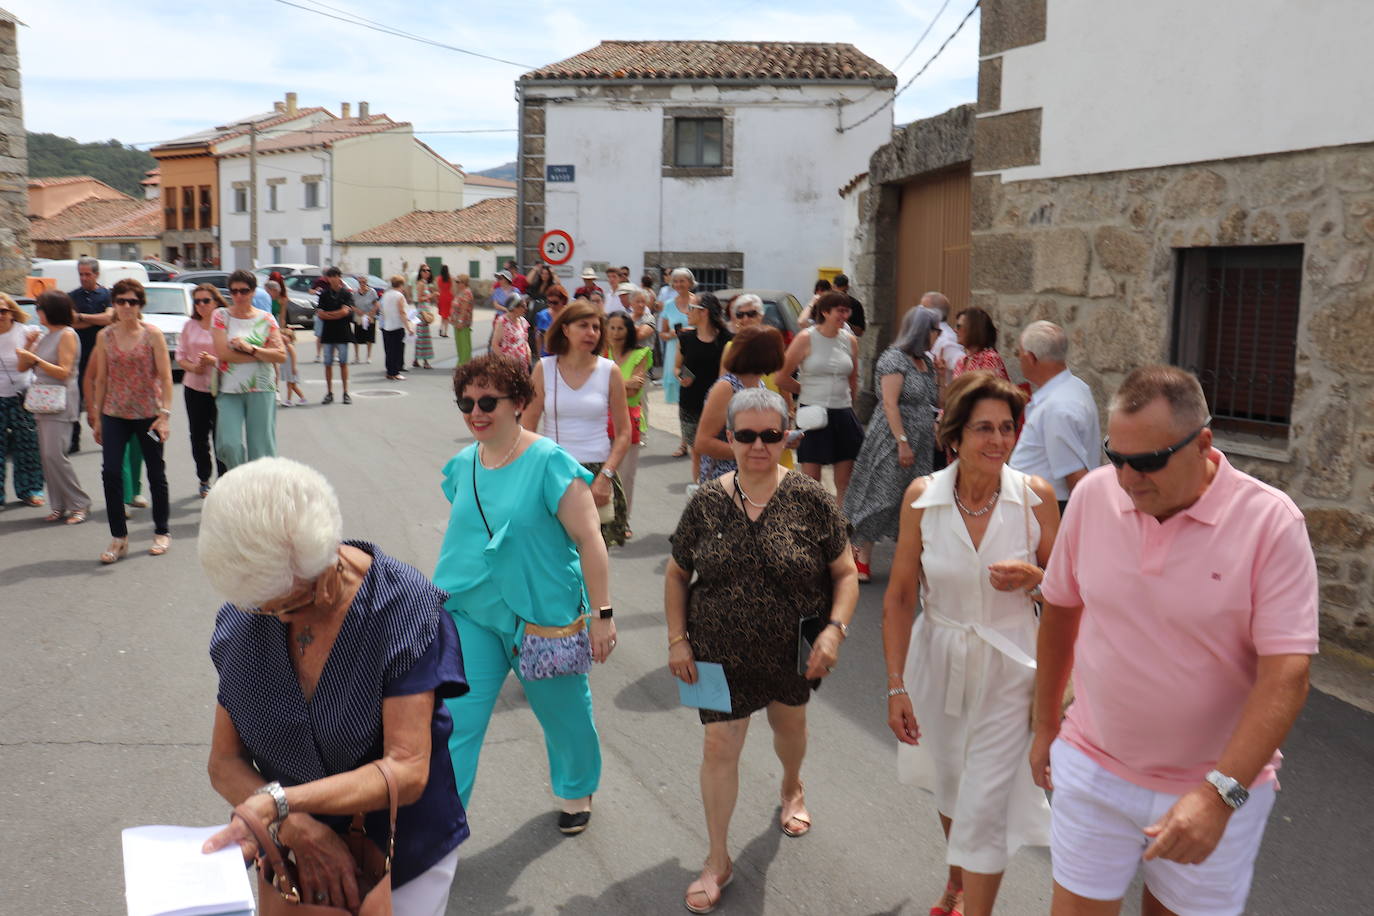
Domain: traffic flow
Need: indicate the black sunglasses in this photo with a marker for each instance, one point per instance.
(239, 290)
(487, 402)
(769, 436)
(200, 301)
(1149, 462)
(747, 313)
(128, 300)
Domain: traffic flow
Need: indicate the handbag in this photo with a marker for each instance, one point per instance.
(45, 399)
(546, 652)
(279, 891)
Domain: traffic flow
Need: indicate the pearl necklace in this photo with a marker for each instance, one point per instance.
(992, 501)
(502, 462)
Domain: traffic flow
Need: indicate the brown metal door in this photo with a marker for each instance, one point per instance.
(934, 239)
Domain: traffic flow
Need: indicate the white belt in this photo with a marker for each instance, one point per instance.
(958, 657)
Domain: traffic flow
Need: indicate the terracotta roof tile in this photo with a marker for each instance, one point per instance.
(487, 222)
(143, 222)
(323, 134)
(61, 180)
(88, 216)
(486, 181)
(695, 60)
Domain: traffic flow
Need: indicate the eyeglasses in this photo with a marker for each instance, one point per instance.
(1149, 462)
(200, 301)
(747, 313)
(239, 290)
(769, 436)
(695, 306)
(128, 300)
(487, 402)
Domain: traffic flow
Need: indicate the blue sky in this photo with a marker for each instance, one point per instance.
(147, 72)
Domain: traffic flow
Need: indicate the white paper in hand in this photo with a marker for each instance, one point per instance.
(166, 874)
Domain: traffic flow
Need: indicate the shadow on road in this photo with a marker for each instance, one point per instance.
(655, 691)
(483, 881)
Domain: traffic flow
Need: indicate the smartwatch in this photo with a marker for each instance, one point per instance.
(607, 612)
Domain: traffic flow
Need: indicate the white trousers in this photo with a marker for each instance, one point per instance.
(427, 893)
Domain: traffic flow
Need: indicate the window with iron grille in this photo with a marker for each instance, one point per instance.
(1236, 327)
(710, 279)
(698, 143)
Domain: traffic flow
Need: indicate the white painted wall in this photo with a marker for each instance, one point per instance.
(1127, 85)
(853, 226)
(781, 207)
(475, 192)
(406, 259)
(292, 222)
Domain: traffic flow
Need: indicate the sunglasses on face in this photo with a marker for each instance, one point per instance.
(747, 313)
(1148, 462)
(128, 300)
(202, 301)
(487, 402)
(239, 290)
(769, 436)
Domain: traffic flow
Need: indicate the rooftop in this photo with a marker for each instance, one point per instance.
(216, 134)
(93, 218)
(63, 180)
(143, 222)
(487, 181)
(323, 134)
(487, 222)
(696, 60)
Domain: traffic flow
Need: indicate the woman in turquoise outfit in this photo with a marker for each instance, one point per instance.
(523, 545)
(670, 321)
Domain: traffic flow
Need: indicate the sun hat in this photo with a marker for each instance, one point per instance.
(588, 274)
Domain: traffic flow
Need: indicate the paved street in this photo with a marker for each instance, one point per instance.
(108, 695)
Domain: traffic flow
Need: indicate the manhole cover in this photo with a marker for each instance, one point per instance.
(378, 393)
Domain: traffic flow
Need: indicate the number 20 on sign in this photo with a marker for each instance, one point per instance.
(556, 247)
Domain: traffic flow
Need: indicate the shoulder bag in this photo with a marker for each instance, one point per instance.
(279, 892)
(545, 652)
(45, 399)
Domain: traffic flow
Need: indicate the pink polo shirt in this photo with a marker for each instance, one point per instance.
(1175, 617)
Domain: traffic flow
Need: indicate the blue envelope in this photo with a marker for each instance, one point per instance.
(709, 692)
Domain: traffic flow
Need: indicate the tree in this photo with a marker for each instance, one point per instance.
(112, 162)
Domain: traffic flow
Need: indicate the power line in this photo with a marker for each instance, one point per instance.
(354, 19)
(930, 25)
(938, 51)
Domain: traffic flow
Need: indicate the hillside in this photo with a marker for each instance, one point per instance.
(506, 171)
(119, 166)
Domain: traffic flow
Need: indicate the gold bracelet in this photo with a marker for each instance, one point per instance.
(681, 637)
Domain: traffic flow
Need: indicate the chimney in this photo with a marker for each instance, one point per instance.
(362, 110)
(345, 110)
(278, 106)
(291, 103)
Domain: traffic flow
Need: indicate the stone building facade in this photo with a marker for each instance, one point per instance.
(1108, 255)
(15, 248)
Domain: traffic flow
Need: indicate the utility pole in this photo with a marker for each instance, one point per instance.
(253, 195)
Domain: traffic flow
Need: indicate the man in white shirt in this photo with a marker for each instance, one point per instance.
(947, 346)
(1062, 439)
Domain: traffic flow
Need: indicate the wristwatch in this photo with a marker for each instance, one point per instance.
(844, 629)
(608, 473)
(606, 612)
(1231, 791)
(278, 794)
(901, 439)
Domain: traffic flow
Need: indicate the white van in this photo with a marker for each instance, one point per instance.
(111, 272)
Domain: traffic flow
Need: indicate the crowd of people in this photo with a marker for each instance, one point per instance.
(1178, 592)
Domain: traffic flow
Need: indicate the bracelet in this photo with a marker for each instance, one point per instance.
(278, 794)
(681, 637)
(165, 410)
(896, 692)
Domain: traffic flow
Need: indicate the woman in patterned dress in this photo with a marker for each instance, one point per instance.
(978, 337)
(756, 552)
(301, 598)
(899, 444)
(511, 331)
(425, 293)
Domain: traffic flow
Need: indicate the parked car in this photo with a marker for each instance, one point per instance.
(111, 272)
(168, 307)
(160, 271)
(285, 270)
(780, 308)
(219, 279)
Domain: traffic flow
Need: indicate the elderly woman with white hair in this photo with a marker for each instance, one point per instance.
(900, 441)
(760, 556)
(671, 321)
(332, 658)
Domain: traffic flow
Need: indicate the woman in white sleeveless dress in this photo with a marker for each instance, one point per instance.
(576, 393)
(974, 539)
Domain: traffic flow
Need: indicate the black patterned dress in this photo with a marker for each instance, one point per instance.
(753, 581)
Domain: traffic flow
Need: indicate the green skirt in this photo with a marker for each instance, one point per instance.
(613, 532)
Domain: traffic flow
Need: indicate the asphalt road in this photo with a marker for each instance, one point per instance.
(108, 695)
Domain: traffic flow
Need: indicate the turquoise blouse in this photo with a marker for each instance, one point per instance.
(529, 568)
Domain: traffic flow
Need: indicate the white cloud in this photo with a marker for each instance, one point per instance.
(97, 71)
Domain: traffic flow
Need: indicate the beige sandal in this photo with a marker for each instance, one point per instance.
(799, 816)
(708, 888)
(118, 548)
(161, 543)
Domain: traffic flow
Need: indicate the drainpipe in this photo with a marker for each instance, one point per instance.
(520, 177)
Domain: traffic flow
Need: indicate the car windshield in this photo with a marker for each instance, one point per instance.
(165, 301)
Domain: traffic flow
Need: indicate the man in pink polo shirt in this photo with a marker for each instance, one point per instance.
(1182, 594)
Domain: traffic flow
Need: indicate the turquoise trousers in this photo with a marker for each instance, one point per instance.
(563, 706)
(248, 417)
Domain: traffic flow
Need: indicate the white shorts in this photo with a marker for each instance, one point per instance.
(1097, 840)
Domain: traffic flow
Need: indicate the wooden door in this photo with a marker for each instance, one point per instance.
(934, 239)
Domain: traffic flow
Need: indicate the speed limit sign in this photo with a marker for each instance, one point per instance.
(556, 247)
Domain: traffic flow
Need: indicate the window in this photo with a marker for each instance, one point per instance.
(206, 211)
(272, 205)
(374, 266)
(188, 208)
(710, 279)
(240, 200)
(243, 256)
(169, 212)
(474, 269)
(207, 255)
(276, 249)
(1236, 327)
(312, 200)
(312, 253)
(698, 142)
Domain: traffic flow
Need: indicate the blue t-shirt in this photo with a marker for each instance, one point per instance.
(542, 322)
(395, 641)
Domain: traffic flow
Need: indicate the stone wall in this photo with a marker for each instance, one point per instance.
(1096, 254)
(15, 249)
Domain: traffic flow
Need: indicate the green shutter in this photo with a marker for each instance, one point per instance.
(434, 265)
(374, 266)
(474, 269)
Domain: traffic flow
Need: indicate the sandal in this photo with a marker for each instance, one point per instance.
(951, 902)
(799, 816)
(681, 452)
(118, 548)
(707, 887)
(161, 543)
(54, 516)
(33, 500)
(77, 517)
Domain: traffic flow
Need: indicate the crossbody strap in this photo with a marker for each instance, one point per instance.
(476, 457)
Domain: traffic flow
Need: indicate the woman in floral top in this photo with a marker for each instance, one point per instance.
(978, 336)
(248, 344)
(511, 338)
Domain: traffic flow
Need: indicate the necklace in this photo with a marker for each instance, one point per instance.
(304, 638)
(490, 467)
(992, 501)
(745, 496)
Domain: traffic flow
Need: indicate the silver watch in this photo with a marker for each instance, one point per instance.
(608, 473)
(1231, 791)
(278, 794)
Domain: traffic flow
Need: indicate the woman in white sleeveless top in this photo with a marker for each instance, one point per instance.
(975, 539)
(577, 392)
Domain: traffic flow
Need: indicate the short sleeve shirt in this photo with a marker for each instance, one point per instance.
(1062, 433)
(1175, 617)
(89, 302)
(249, 377)
(336, 330)
(857, 322)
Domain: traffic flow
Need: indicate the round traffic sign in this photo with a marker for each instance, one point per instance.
(556, 247)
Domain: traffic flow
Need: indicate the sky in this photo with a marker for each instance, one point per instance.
(153, 71)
